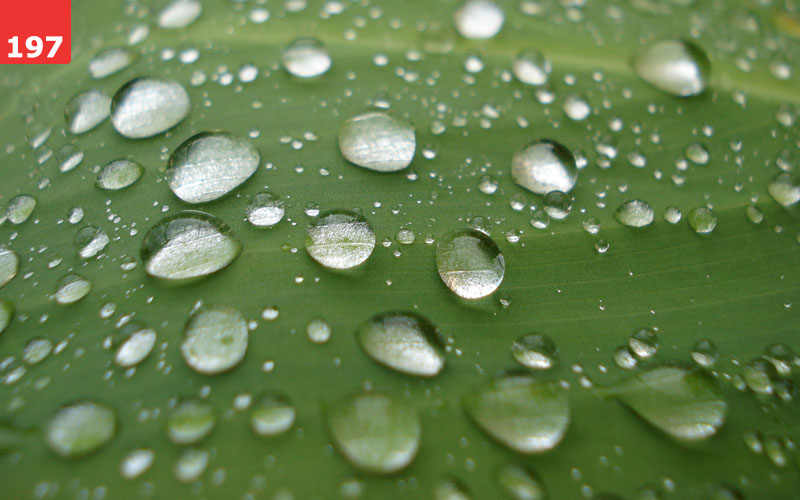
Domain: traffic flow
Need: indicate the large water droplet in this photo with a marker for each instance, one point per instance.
(536, 351)
(87, 110)
(215, 340)
(532, 67)
(635, 213)
(209, 165)
(479, 19)
(405, 342)
(340, 239)
(145, 107)
(265, 210)
(36, 350)
(9, 265)
(188, 245)
(523, 414)
(179, 14)
(470, 263)
(520, 483)
(109, 61)
(677, 67)
(306, 57)
(274, 414)
(785, 189)
(375, 433)
(72, 288)
(119, 174)
(377, 141)
(190, 421)
(544, 166)
(685, 403)
(20, 208)
(79, 429)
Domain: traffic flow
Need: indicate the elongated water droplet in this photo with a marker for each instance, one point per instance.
(215, 340)
(523, 414)
(374, 432)
(450, 488)
(635, 213)
(188, 245)
(785, 189)
(87, 110)
(273, 414)
(377, 141)
(210, 165)
(340, 239)
(576, 108)
(265, 210)
(136, 463)
(405, 342)
(138, 343)
(479, 19)
(109, 61)
(191, 465)
(9, 265)
(119, 174)
(697, 153)
(536, 351)
(702, 220)
(36, 351)
(532, 67)
(685, 403)
(145, 107)
(190, 421)
(544, 166)
(72, 288)
(20, 208)
(520, 483)
(80, 428)
(306, 57)
(90, 241)
(69, 157)
(470, 263)
(179, 14)
(677, 67)
(6, 313)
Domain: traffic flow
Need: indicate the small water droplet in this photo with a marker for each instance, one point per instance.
(704, 353)
(265, 210)
(138, 343)
(377, 141)
(87, 110)
(697, 153)
(119, 174)
(191, 465)
(306, 57)
(191, 421)
(644, 343)
(136, 463)
(535, 351)
(109, 61)
(179, 14)
(340, 239)
(520, 483)
(544, 166)
(702, 220)
(6, 313)
(557, 205)
(72, 288)
(273, 414)
(470, 263)
(635, 213)
(479, 19)
(318, 331)
(672, 215)
(531, 67)
(785, 189)
(215, 340)
(9, 265)
(90, 241)
(20, 208)
(36, 351)
(576, 107)
(78, 429)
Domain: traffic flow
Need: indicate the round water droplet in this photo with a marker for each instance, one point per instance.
(576, 108)
(72, 288)
(90, 241)
(625, 358)
(677, 67)
(265, 210)
(145, 107)
(119, 174)
(190, 421)
(109, 61)
(80, 428)
(9, 265)
(36, 351)
(704, 353)
(136, 463)
(557, 205)
(6, 313)
(672, 215)
(318, 331)
(536, 351)
(374, 432)
(215, 340)
(191, 465)
(544, 166)
(210, 165)
(523, 414)
(520, 483)
(20, 208)
(635, 213)
(531, 67)
(188, 245)
(479, 19)
(697, 153)
(340, 239)
(470, 263)
(377, 141)
(87, 110)
(644, 343)
(274, 414)
(702, 220)
(405, 342)
(405, 237)
(759, 375)
(179, 14)
(782, 358)
(306, 57)
(138, 343)
(785, 189)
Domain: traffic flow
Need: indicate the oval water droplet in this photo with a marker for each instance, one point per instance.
(273, 414)
(215, 340)
(520, 412)
(6, 313)
(702, 220)
(9, 265)
(377, 141)
(90, 241)
(557, 205)
(136, 463)
(191, 465)
(318, 331)
(87, 110)
(71, 288)
(376, 433)
(536, 351)
(470, 263)
(635, 213)
(677, 67)
(265, 210)
(119, 174)
(340, 239)
(145, 107)
(36, 351)
(188, 245)
(210, 165)
(403, 341)
(643, 342)
(179, 14)
(78, 429)
(520, 482)
(785, 189)
(543, 166)
(306, 57)
(704, 353)
(138, 343)
(20, 208)
(531, 67)
(191, 421)
(697, 153)
(479, 19)
(109, 61)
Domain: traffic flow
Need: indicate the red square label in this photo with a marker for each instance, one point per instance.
(35, 32)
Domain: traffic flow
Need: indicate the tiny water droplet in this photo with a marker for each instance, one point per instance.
(520, 483)
(318, 331)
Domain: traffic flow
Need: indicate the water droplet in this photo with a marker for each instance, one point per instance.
(136, 463)
(306, 57)
(759, 375)
(557, 205)
(540, 219)
(702, 220)
(677, 67)
(782, 357)
(531, 67)
(78, 429)
(487, 184)
(72, 288)
(672, 215)
(87, 110)
(265, 210)
(522, 413)
(69, 157)
(535, 351)
(450, 488)
(179, 14)
(20, 208)
(191, 465)
(145, 107)
(644, 343)
(90, 241)
(625, 358)
(479, 19)
(576, 107)
(704, 353)
(9, 265)
(520, 483)
(591, 225)
(405, 342)
(36, 351)
(188, 245)
(697, 153)
(215, 340)
(318, 331)
(754, 214)
(6, 313)
(470, 263)
(377, 141)
(119, 174)
(272, 415)
(635, 213)
(138, 343)
(340, 239)
(785, 189)
(190, 421)
(682, 402)
(109, 61)
(544, 166)
(405, 237)
(374, 432)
